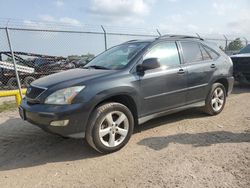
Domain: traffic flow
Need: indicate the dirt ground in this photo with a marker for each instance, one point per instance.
(187, 149)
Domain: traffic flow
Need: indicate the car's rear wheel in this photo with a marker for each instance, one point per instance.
(110, 127)
(216, 99)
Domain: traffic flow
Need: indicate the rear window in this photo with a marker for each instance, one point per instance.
(191, 52)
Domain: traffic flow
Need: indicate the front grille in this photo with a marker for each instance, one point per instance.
(33, 92)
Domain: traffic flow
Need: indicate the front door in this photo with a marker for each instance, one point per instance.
(165, 87)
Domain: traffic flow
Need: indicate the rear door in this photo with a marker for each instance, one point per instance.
(200, 67)
(163, 88)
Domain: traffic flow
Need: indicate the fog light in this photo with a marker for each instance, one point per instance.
(59, 123)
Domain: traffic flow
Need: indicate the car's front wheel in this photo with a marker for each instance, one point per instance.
(216, 99)
(110, 127)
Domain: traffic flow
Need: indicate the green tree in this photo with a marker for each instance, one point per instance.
(88, 56)
(235, 45)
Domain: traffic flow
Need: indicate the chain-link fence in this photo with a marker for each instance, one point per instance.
(39, 52)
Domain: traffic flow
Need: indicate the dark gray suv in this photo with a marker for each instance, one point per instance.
(127, 85)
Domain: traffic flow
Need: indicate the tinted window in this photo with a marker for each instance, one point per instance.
(166, 53)
(212, 53)
(191, 52)
(245, 50)
(205, 54)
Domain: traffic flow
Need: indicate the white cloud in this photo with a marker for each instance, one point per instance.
(70, 21)
(121, 10)
(222, 7)
(63, 20)
(59, 3)
(47, 18)
(47, 21)
(179, 24)
(240, 24)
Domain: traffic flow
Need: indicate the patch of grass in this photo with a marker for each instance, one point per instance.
(6, 106)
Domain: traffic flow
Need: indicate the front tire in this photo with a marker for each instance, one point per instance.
(216, 99)
(110, 127)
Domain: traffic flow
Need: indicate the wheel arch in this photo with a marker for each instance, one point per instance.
(224, 82)
(124, 98)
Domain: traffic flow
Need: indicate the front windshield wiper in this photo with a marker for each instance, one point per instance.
(97, 67)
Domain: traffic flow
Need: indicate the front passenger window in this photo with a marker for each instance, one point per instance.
(166, 53)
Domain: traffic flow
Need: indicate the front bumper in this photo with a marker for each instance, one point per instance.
(43, 114)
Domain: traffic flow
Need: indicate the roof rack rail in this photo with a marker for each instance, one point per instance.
(180, 36)
(131, 41)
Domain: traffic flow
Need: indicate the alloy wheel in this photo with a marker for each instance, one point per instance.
(113, 129)
(218, 97)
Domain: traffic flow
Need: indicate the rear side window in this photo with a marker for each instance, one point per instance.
(205, 54)
(166, 52)
(212, 53)
(191, 52)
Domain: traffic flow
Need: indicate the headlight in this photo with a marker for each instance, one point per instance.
(64, 96)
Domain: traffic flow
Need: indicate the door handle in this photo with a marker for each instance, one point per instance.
(213, 66)
(181, 71)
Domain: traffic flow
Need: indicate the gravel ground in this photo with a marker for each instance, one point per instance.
(186, 149)
(6, 99)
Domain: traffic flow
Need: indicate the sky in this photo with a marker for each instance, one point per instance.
(206, 17)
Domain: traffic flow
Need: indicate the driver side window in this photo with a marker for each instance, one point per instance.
(166, 53)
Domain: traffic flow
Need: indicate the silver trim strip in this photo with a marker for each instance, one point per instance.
(176, 91)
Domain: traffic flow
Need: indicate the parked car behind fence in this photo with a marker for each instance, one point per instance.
(32, 66)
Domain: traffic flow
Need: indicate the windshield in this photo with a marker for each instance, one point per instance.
(117, 57)
(245, 50)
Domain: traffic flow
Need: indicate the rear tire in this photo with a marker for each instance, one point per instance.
(216, 99)
(110, 127)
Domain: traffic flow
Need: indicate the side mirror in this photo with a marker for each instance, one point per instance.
(147, 64)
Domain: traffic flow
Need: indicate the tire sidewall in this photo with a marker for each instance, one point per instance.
(210, 96)
(97, 119)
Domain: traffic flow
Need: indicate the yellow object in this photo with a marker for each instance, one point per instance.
(15, 93)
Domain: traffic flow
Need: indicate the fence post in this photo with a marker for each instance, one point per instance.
(14, 62)
(159, 33)
(105, 37)
(226, 42)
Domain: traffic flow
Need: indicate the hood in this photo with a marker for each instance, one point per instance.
(70, 75)
(241, 55)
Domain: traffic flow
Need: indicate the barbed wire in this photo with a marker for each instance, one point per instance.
(109, 29)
